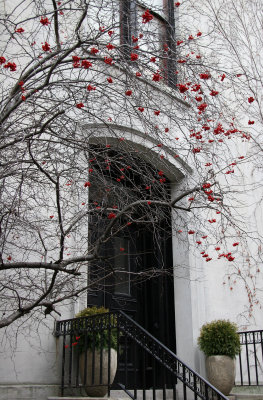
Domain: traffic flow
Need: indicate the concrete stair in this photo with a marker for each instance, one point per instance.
(237, 396)
(231, 397)
(111, 398)
(238, 393)
(248, 392)
(122, 398)
(248, 396)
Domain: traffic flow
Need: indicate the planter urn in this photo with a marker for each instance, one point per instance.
(221, 372)
(98, 387)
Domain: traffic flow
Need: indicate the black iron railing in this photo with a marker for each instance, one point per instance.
(250, 365)
(145, 366)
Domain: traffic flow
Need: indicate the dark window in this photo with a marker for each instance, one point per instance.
(121, 265)
(161, 36)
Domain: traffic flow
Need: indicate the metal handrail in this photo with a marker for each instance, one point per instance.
(159, 353)
(168, 359)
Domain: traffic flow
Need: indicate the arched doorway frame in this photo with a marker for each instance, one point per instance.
(178, 171)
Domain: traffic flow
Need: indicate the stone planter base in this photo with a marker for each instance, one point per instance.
(98, 388)
(221, 372)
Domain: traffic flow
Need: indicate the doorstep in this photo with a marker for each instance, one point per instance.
(81, 398)
(108, 398)
(248, 392)
(248, 396)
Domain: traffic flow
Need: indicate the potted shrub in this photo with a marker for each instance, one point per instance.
(220, 342)
(96, 343)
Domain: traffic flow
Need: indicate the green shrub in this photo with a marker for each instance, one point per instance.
(97, 338)
(90, 311)
(219, 338)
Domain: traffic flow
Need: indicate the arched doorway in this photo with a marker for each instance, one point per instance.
(135, 271)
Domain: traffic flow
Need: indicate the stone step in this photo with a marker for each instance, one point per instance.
(248, 392)
(248, 396)
(120, 395)
(115, 398)
(110, 398)
(231, 397)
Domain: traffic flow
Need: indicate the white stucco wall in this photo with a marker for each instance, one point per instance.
(33, 356)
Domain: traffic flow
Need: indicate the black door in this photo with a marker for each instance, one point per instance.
(155, 294)
(148, 297)
(111, 280)
(155, 299)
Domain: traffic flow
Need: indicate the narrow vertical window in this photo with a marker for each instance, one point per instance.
(163, 32)
(170, 42)
(128, 23)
